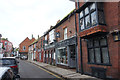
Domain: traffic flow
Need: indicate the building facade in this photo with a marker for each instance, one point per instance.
(7, 47)
(98, 27)
(40, 49)
(49, 46)
(65, 47)
(23, 46)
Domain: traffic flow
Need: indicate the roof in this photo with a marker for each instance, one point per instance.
(24, 40)
(3, 70)
(35, 41)
(61, 21)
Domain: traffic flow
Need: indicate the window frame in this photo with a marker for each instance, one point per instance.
(65, 33)
(99, 17)
(51, 36)
(101, 56)
(24, 48)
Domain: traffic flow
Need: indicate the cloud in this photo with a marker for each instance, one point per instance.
(22, 18)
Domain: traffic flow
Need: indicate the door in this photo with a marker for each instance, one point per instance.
(72, 56)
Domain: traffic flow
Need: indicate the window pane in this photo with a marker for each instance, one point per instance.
(100, 6)
(86, 11)
(62, 56)
(65, 33)
(93, 18)
(101, 17)
(90, 43)
(81, 14)
(96, 42)
(92, 7)
(97, 55)
(103, 42)
(87, 20)
(91, 55)
(105, 55)
(82, 24)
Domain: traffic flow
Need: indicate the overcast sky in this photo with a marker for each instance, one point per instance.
(22, 18)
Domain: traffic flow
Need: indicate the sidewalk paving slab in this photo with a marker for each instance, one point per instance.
(67, 74)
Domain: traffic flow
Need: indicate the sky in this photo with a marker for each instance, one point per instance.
(22, 18)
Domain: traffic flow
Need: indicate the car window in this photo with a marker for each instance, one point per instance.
(7, 61)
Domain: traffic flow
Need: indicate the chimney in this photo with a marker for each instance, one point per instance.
(58, 21)
(32, 35)
(38, 36)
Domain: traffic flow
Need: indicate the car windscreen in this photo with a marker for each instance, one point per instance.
(7, 62)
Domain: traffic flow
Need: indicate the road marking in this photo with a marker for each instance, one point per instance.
(49, 72)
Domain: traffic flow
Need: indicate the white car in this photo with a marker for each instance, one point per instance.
(7, 74)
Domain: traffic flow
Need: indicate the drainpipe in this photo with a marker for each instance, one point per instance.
(81, 59)
(76, 45)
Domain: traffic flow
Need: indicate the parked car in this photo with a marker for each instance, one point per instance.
(24, 57)
(10, 62)
(6, 73)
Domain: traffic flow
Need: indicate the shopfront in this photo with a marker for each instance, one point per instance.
(65, 53)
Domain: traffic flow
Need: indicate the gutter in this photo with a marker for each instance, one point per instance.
(81, 59)
(76, 49)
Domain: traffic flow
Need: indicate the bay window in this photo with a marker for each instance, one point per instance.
(92, 15)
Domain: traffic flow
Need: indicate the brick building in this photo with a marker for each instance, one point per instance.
(23, 46)
(65, 47)
(49, 46)
(7, 47)
(98, 27)
(40, 49)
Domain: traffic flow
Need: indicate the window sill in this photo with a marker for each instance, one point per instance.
(62, 64)
(100, 64)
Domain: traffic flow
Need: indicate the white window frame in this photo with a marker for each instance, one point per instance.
(65, 33)
(24, 48)
(51, 36)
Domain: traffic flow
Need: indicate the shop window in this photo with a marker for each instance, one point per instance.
(62, 56)
(98, 51)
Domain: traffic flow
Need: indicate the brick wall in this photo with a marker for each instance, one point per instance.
(111, 11)
(25, 43)
(70, 25)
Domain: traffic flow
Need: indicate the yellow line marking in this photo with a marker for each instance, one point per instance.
(49, 72)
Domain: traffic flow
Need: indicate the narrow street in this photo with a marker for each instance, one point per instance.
(30, 71)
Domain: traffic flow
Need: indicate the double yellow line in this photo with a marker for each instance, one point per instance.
(49, 72)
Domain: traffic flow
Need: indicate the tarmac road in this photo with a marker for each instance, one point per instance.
(29, 71)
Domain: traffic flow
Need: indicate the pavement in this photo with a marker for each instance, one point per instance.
(65, 73)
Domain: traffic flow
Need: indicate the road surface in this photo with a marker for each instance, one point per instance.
(29, 71)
